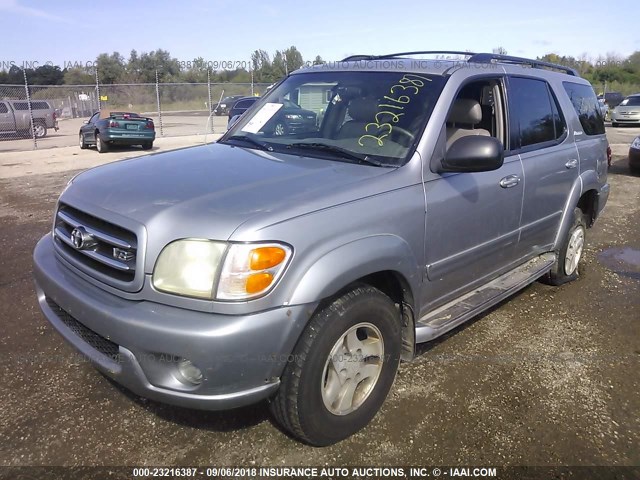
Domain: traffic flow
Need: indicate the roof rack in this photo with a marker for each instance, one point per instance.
(494, 57)
(354, 58)
(473, 58)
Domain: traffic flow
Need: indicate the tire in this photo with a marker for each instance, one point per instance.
(320, 406)
(147, 145)
(566, 267)
(83, 144)
(100, 145)
(40, 129)
(614, 124)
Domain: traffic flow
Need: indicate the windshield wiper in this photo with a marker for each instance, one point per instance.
(253, 141)
(338, 152)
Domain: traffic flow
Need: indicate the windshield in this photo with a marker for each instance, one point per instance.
(630, 102)
(363, 117)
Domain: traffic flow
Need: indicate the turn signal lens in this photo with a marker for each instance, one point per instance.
(258, 282)
(251, 270)
(266, 257)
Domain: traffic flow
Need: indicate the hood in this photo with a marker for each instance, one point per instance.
(210, 190)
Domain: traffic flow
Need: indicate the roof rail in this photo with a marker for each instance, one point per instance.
(354, 58)
(494, 57)
(473, 58)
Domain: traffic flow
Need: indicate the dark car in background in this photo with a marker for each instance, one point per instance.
(613, 99)
(241, 106)
(290, 119)
(225, 105)
(107, 128)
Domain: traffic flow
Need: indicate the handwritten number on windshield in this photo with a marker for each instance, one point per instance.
(409, 83)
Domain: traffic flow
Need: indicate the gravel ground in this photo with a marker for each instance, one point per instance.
(549, 377)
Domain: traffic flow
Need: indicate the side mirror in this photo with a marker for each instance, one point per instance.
(474, 153)
(232, 121)
(85, 122)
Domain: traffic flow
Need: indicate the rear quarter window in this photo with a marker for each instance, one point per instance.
(585, 103)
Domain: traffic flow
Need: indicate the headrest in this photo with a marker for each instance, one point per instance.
(465, 110)
(363, 109)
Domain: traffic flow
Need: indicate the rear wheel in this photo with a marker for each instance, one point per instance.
(614, 124)
(39, 129)
(147, 145)
(342, 368)
(101, 146)
(565, 269)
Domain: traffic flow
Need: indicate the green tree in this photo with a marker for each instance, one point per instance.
(111, 68)
(77, 76)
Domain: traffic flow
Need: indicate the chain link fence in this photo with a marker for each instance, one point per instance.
(32, 116)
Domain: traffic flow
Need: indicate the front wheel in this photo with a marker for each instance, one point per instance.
(342, 368)
(83, 144)
(614, 124)
(565, 269)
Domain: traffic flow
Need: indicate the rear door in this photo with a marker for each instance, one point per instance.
(549, 159)
(590, 137)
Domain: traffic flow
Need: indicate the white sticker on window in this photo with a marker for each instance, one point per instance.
(263, 115)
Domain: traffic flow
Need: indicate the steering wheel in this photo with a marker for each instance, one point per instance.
(408, 136)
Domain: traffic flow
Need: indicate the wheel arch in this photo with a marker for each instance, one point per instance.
(385, 262)
(583, 195)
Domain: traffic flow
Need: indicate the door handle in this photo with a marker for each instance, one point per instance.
(571, 163)
(510, 181)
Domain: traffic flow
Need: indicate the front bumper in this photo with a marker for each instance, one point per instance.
(241, 357)
(626, 120)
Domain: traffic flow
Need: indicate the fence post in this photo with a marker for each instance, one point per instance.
(33, 127)
(158, 101)
(98, 91)
(209, 93)
(251, 70)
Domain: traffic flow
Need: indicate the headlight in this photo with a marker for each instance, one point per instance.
(193, 267)
(223, 105)
(251, 270)
(188, 267)
(636, 143)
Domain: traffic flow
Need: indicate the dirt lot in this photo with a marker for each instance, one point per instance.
(550, 377)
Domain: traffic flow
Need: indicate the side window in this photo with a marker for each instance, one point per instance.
(585, 103)
(535, 117)
(3, 108)
(94, 118)
(477, 110)
(21, 106)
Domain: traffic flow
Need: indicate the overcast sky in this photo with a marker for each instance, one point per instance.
(223, 30)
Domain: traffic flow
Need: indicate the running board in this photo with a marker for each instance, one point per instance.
(458, 311)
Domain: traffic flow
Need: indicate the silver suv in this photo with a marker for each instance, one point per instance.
(300, 266)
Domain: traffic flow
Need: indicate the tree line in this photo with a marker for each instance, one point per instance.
(612, 72)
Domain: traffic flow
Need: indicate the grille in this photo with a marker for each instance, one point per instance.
(96, 341)
(95, 244)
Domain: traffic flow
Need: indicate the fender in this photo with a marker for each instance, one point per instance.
(586, 181)
(351, 261)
